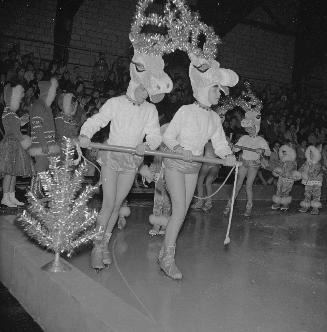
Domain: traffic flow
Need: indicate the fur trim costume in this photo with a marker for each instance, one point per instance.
(252, 119)
(312, 177)
(42, 123)
(286, 174)
(14, 159)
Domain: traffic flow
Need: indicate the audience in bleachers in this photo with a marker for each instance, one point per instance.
(287, 116)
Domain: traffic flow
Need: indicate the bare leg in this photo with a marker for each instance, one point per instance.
(124, 184)
(199, 186)
(6, 183)
(12, 195)
(262, 179)
(252, 173)
(6, 191)
(12, 184)
(109, 185)
(212, 175)
(181, 188)
(240, 179)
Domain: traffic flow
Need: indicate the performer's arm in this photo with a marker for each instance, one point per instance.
(173, 130)
(99, 120)
(219, 141)
(152, 130)
(266, 148)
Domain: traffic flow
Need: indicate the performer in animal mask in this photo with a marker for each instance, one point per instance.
(191, 128)
(132, 118)
(251, 161)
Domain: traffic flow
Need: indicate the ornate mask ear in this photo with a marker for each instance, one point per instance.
(227, 105)
(147, 66)
(204, 70)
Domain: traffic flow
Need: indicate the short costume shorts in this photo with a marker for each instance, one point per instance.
(119, 161)
(182, 166)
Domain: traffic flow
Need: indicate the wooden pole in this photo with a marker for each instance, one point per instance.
(171, 155)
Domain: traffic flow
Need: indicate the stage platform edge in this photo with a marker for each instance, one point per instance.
(65, 302)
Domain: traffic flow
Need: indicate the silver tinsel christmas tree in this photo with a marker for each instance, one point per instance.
(62, 222)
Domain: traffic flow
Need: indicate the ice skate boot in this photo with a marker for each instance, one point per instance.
(167, 263)
(207, 205)
(97, 252)
(197, 205)
(304, 206)
(121, 223)
(248, 210)
(284, 208)
(154, 230)
(275, 206)
(227, 208)
(14, 200)
(106, 255)
(7, 202)
(314, 211)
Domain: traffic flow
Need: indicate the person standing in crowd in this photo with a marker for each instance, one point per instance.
(14, 160)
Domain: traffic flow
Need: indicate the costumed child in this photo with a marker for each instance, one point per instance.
(132, 118)
(65, 124)
(312, 177)
(251, 160)
(14, 160)
(43, 131)
(190, 129)
(161, 200)
(287, 174)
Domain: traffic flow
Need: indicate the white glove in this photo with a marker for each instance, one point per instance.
(84, 141)
(230, 160)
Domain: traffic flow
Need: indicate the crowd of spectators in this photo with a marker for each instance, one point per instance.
(287, 116)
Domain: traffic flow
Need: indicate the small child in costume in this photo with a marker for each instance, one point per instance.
(312, 176)
(286, 174)
(14, 160)
(43, 131)
(65, 124)
(251, 160)
(161, 200)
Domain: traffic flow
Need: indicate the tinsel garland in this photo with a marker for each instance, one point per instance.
(64, 222)
(184, 29)
(248, 101)
(227, 105)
